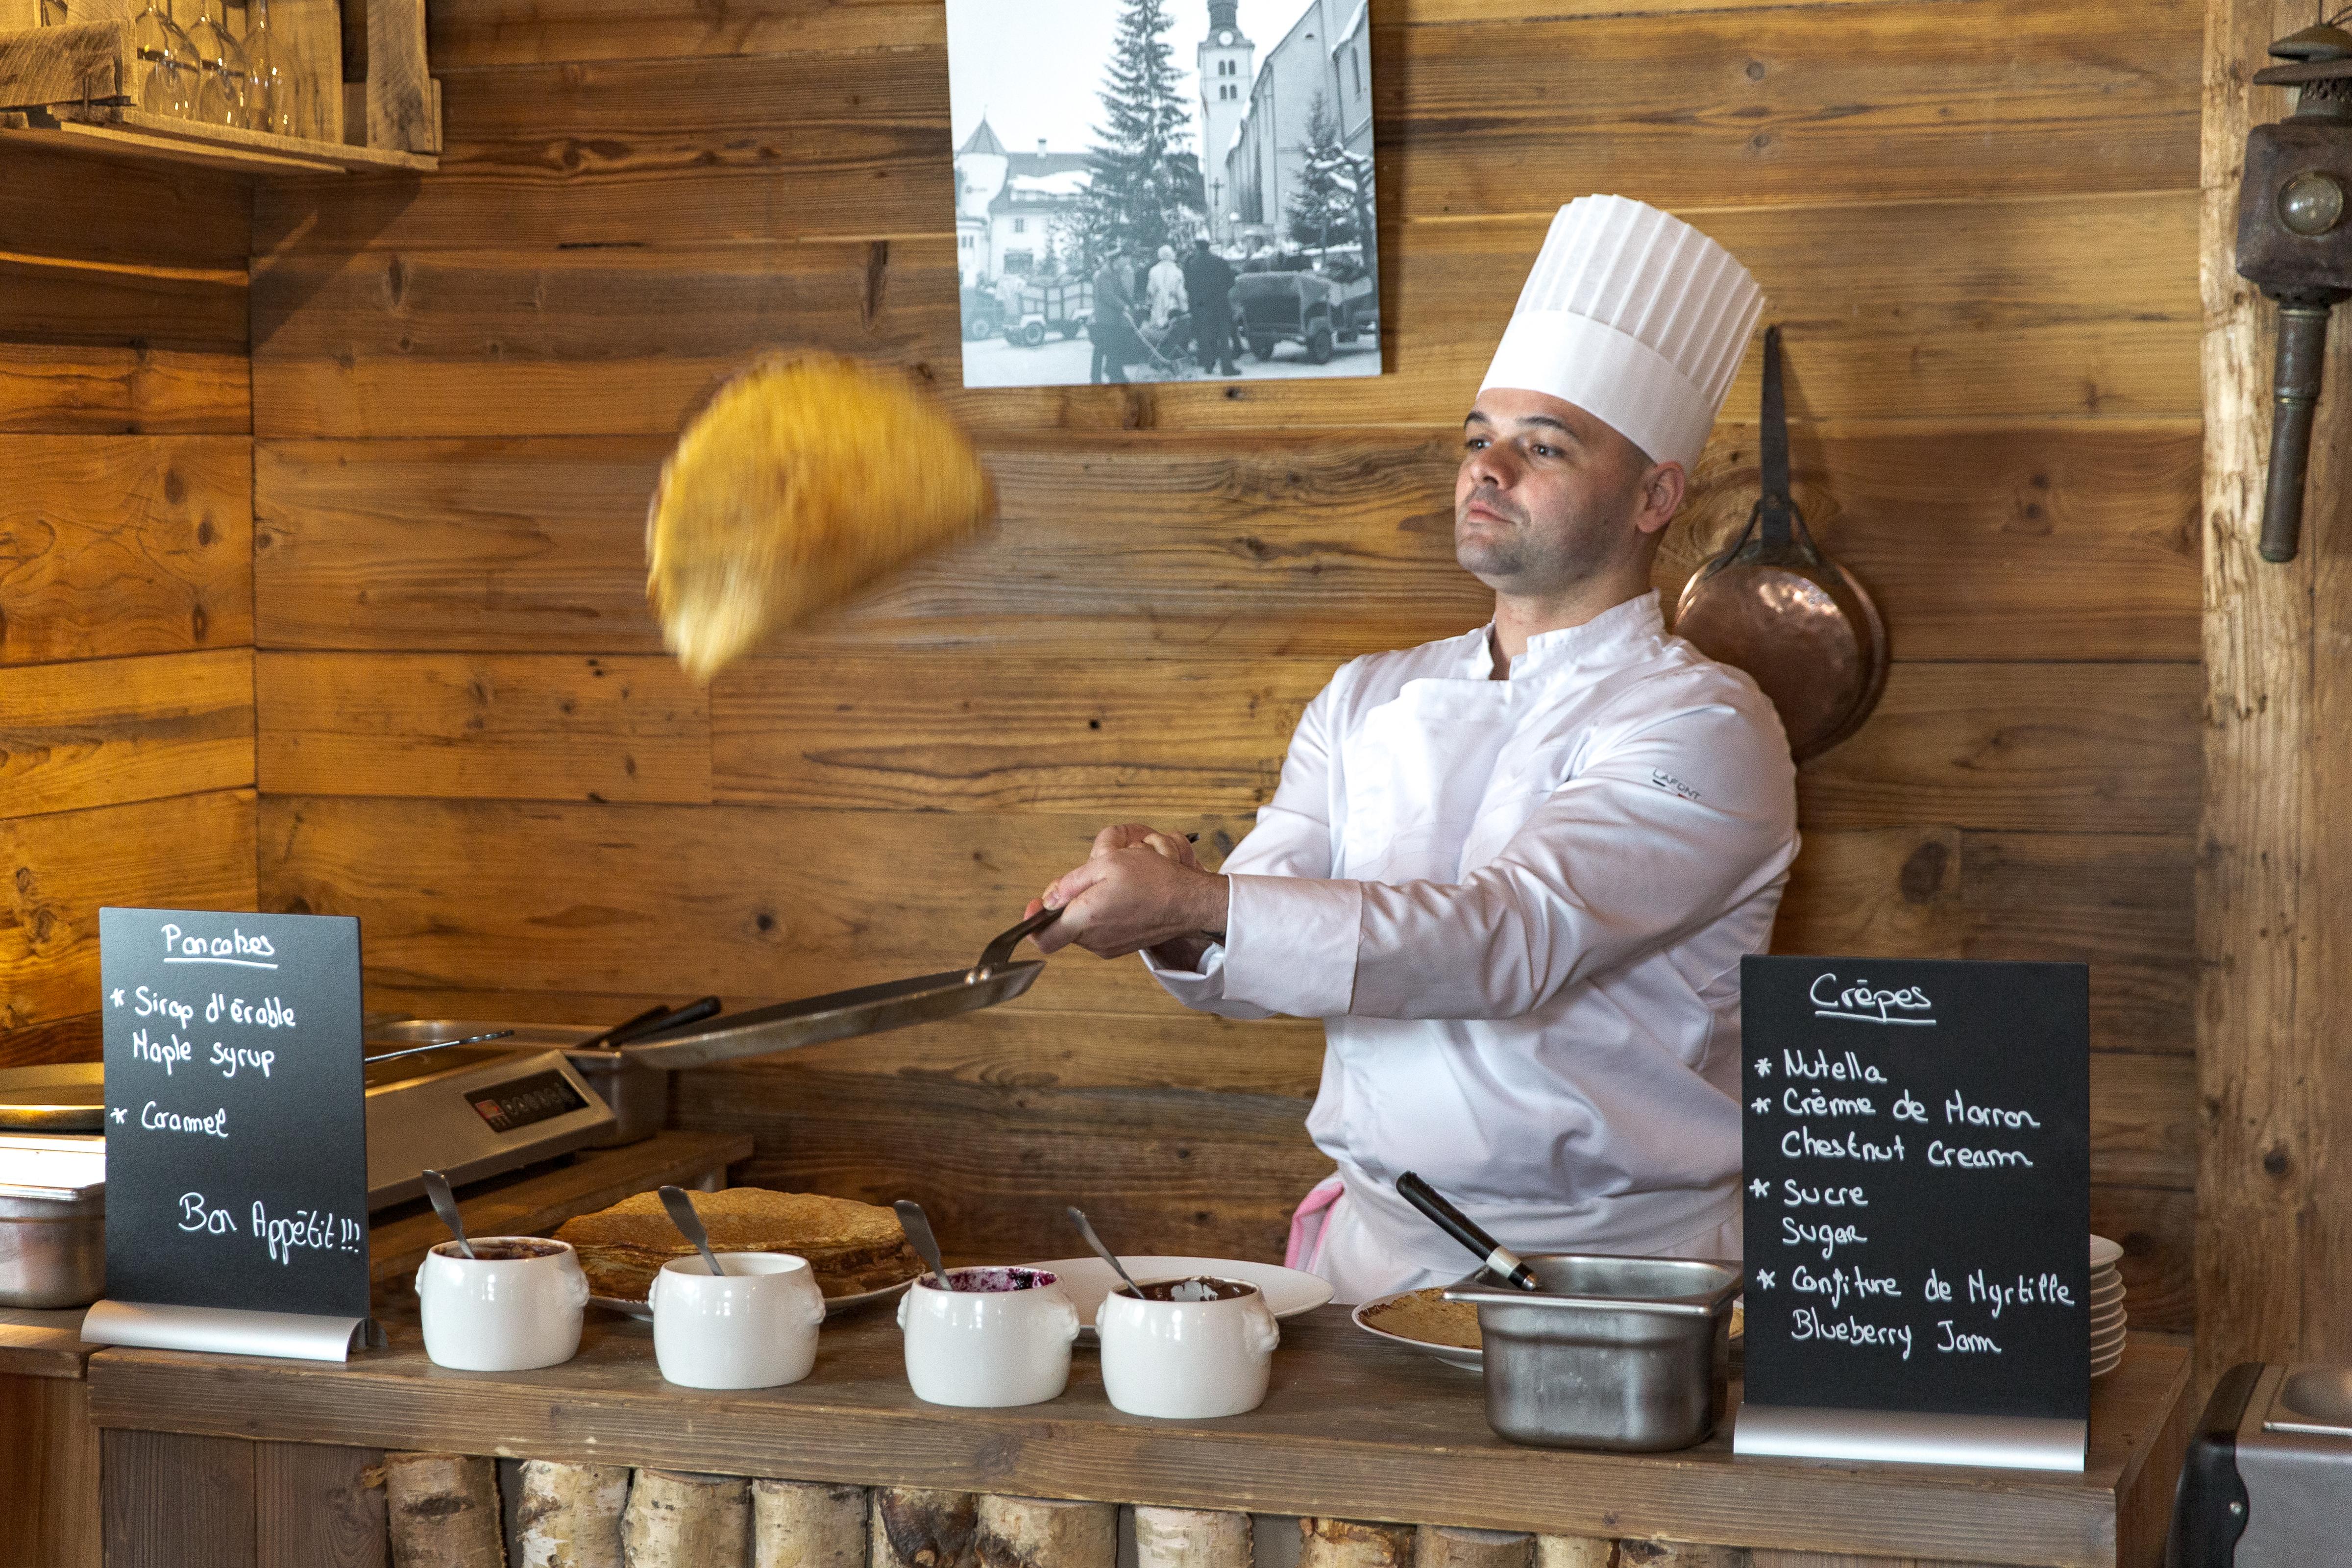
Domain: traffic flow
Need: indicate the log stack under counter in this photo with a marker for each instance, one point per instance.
(225, 1459)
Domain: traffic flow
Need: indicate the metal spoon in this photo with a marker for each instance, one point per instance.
(689, 1223)
(1078, 1218)
(917, 1227)
(445, 1204)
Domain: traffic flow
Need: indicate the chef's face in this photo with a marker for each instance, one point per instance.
(1549, 498)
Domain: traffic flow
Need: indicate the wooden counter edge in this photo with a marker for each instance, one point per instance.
(1907, 1513)
(2144, 1493)
(42, 1344)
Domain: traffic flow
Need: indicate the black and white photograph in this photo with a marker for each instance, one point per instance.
(1164, 190)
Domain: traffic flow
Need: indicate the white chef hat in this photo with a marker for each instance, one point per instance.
(1637, 319)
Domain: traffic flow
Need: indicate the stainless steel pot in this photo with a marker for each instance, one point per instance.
(52, 1221)
(1624, 1353)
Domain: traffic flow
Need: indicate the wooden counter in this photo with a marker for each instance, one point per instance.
(1353, 1428)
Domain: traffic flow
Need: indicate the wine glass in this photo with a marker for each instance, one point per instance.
(164, 48)
(270, 101)
(220, 66)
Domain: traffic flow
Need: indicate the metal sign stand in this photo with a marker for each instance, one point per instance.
(1910, 1437)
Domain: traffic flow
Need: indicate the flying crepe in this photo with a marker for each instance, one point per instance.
(807, 478)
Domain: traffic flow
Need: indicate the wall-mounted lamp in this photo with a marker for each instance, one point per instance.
(2295, 243)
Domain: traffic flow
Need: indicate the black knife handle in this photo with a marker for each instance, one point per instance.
(1498, 1259)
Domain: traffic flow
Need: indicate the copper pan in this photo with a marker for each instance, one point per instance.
(1777, 608)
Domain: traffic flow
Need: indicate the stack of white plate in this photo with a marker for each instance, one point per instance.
(2107, 1315)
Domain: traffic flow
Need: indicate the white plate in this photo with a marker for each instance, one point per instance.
(1464, 1356)
(2104, 1254)
(2108, 1317)
(835, 1306)
(2102, 1294)
(1289, 1292)
(2111, 1345)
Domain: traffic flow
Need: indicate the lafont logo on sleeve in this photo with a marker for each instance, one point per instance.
(1864, 1004)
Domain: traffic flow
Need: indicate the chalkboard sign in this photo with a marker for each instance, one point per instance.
(235, 1110)
(1917, 1169)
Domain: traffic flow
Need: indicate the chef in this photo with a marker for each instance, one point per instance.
(1515, 871)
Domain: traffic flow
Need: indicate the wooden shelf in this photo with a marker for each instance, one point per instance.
(125, 132)
(77, 86)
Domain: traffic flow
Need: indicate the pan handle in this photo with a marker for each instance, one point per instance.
(999, 952)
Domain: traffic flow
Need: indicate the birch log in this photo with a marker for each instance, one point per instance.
(1351, 1543)
(569, 1516)
(1191, 1538)
(678, 1519)
(807, 1524)
(917, 1527)
(442, 1512)
(1045, 1533)
(1575, 1551)
(1455, 1546)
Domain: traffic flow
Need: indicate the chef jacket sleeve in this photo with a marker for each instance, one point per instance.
(1291, 843)
(1668, 829)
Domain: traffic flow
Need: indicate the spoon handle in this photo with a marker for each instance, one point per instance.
(917, 1227)
(689, 1225)
(445, 1204)
(1078, 1218)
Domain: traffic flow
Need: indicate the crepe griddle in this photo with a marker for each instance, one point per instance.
(68, 1096)
(866, 1010)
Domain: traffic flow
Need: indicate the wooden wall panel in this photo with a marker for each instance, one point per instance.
(193, 851)
(1975, 220)
(2061, 309)
(76, 300)
(2054, 749)
(518, 727)
(2011, 98)
(2076, 536)
(117, 388)
(105, 732)
(124, 545)
(126, 578)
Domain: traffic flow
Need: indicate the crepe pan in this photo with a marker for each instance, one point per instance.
(1777, 608)
(867, 1010)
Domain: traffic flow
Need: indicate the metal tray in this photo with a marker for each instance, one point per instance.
(1624, 1353)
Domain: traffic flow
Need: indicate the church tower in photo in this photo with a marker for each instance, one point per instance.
(1224, 59)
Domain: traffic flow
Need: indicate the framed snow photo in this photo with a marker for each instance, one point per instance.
(1164, 190)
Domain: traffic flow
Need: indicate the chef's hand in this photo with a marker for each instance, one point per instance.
(1125, 900)
(1135, 835)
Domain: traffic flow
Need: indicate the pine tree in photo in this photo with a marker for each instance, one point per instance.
(1147, 190)
(1331, 203)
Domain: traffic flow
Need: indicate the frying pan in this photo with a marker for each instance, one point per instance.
(867, 1010)
(1777, 608)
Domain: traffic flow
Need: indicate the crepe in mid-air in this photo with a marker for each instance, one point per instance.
(808, 477)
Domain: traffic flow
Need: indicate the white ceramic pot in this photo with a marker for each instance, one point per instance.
(501, 1313)
(1000, 1337)
(1187, 1359)
(752, 1327)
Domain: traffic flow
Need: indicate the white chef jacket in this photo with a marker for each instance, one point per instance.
(1519, 906)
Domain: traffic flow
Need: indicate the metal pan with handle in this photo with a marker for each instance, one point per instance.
(1777, 608)
(838, 1014)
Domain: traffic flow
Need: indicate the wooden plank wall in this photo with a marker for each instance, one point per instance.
(1977, 218)
(2274, 860)
(126, 569)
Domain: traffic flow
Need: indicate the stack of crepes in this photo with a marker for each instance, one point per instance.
(807, 478)
(852, 1248)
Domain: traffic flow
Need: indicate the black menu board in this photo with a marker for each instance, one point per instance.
(1918, 1168)
(237, 1114)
